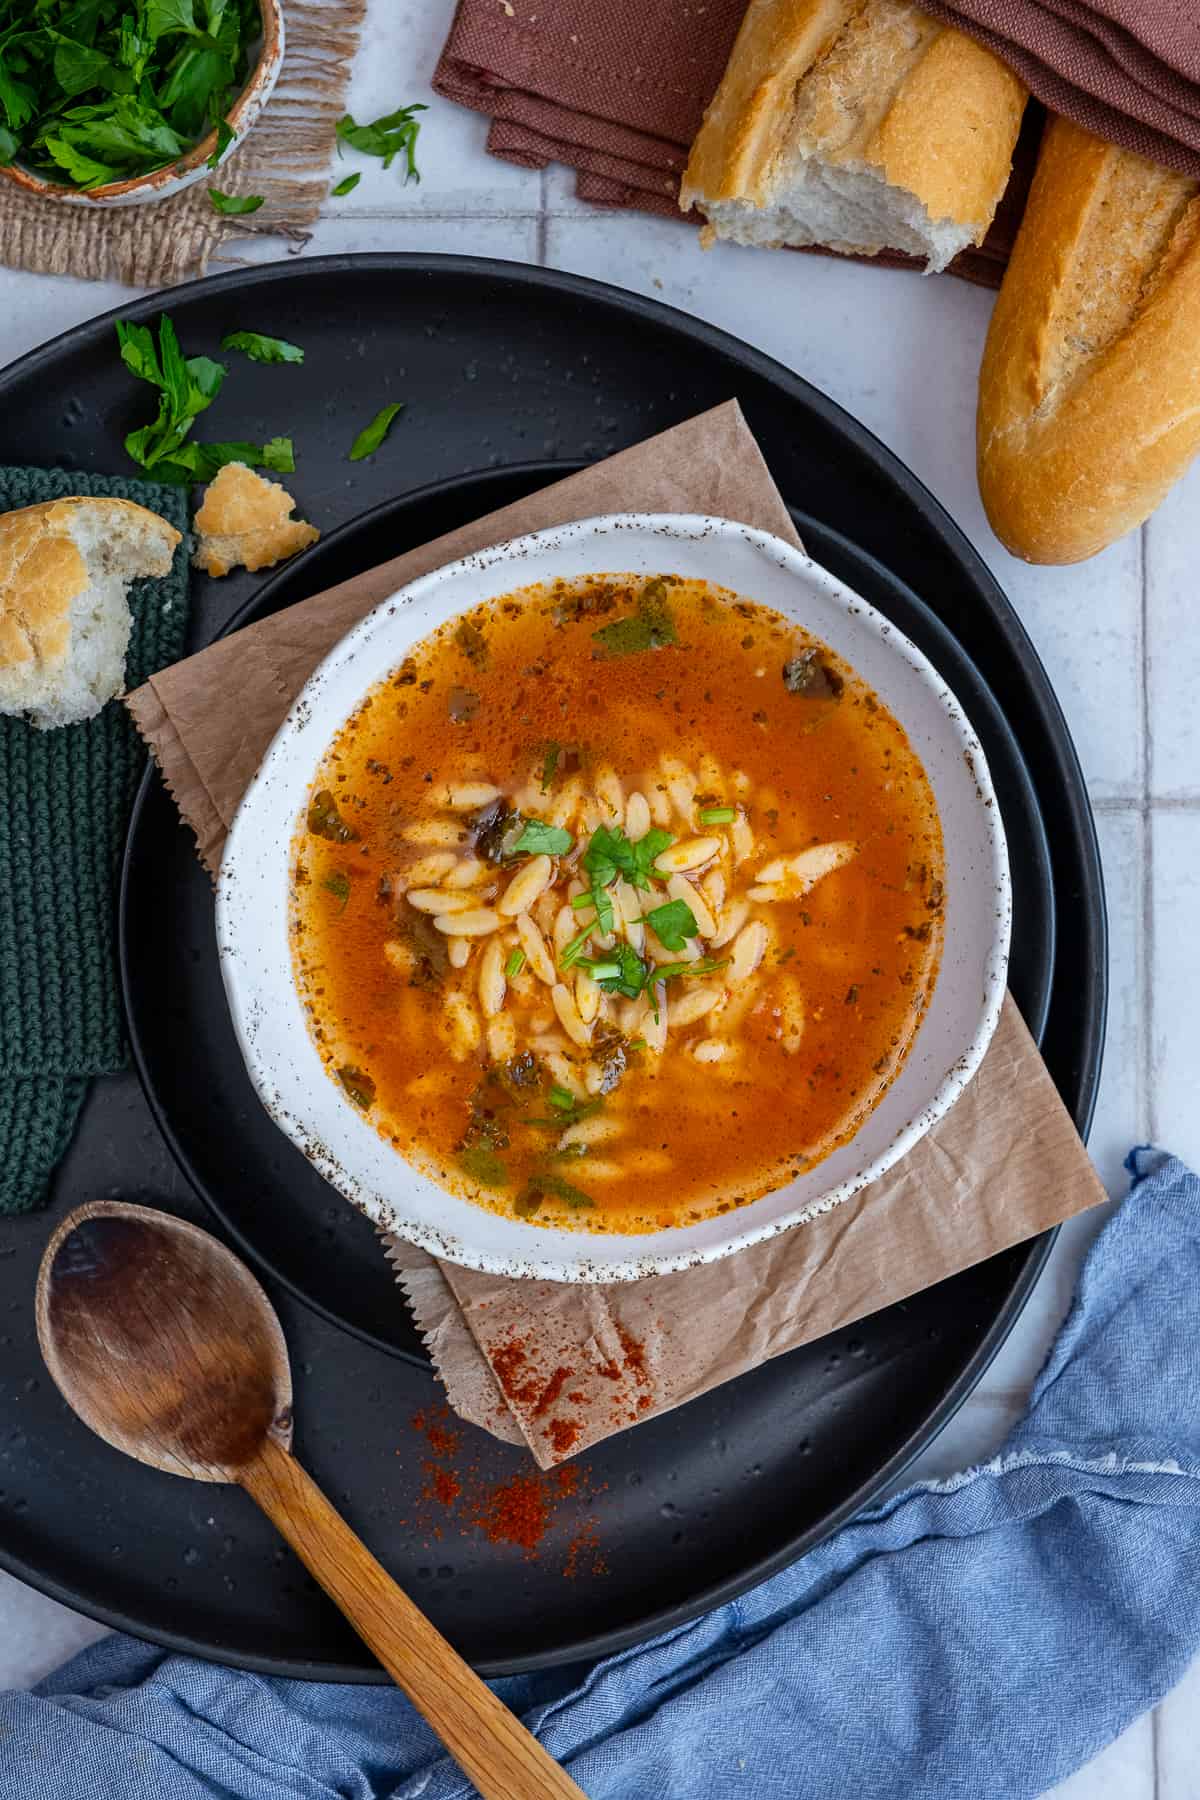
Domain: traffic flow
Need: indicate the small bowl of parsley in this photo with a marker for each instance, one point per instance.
(107, 103)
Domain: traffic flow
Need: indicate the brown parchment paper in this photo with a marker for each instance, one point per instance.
(558, 1365)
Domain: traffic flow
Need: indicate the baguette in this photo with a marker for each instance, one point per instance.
(860, 125)
(1089, 393)
(65, 566)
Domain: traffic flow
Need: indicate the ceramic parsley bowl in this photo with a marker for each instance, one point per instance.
(264, 60)
(325, 1117)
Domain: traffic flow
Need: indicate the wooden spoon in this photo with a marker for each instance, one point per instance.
(168, 1348)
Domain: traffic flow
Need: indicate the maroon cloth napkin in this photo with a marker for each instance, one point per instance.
(616, 89)
(1127, 70)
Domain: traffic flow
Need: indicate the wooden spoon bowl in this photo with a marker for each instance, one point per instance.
(164, 1343)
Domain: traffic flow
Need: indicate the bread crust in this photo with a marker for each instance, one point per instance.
(42, 571)
(860, 84)
(245, 522)
(1089, 391)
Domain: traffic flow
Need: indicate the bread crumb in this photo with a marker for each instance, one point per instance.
(245, 522)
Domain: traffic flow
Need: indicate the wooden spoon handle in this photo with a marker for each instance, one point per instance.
(486, 1740)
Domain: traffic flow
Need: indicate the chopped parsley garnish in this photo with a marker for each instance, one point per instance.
(392, 134)
(571, 952)
(187, 386)
(372, 435)
(718, 815)
(93, 93)
(673, 923)
(539, 839)
(339, 886)
(483, 1166)
(515, 963)
(346, 185)
(234, 205)
(649, 628)
(550, 764)
(704, 965)
(621, 972)
(544, 1183)
(358, 1085)
(262, 349)
(562, 1099)
(325, 821)
(610, 854)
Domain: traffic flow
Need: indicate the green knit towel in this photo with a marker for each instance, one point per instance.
(64, 803)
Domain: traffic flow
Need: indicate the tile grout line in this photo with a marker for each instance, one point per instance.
(1145, 830)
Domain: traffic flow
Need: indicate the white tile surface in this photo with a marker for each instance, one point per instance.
(901, 353)
(1173, 633)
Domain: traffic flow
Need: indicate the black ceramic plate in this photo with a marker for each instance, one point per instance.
(272, 1202)
(496, 363)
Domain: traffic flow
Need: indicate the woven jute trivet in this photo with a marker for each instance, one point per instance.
(285, 158)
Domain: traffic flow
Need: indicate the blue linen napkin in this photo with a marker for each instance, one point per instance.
(981, 1636)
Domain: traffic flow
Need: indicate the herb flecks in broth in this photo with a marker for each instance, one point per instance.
(639, 931)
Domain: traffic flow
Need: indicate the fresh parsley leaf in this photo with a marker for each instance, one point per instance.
(545, 1183)
(610, 854)
(393, 134)
(235, 205)
(631, 974)
(704, 965)
(646, 852)
(262, 349)
(346, 185)
(650, 628)
(8, 147)
(483, 1166)
(562, 1099)
(372, 435)
(605, 912)
(165, 16)
(77, 67)
(225, 137)
(540, 839)
(550, 764)
(673, 923)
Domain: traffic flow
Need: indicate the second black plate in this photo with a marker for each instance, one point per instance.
(269, 1198)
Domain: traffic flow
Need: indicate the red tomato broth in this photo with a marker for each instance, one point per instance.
(481, 698)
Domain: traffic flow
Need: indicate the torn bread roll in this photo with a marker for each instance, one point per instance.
(860, 127)
(1089, 393)
(65, 567)
(245, 522)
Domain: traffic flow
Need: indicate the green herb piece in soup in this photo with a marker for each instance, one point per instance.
(527, 1204)
(515, 963)
(540, 839)
(371, 436)
(809, 674)
(562, 1099)
(483, 1166)
(650, 628)
(718, 815)
(544, 1183)
(472, 643)
(550, 764)
(392, 134)
(325, 821)
(704, 965)
(346, 185)
(338, 885)
(629, 975)
(673, 923)
(262, 349)
(358, 1085)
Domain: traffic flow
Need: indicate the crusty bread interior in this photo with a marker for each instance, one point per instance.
(65, 568)
(860, 125)
(245, 522)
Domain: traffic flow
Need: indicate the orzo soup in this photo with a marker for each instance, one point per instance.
(618, 904)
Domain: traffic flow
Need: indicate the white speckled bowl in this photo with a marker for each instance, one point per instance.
(138, 190)
(252, 898)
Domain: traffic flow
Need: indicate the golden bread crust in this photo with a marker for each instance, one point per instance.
(879, 85)
(245, 522)
(1089, 391)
